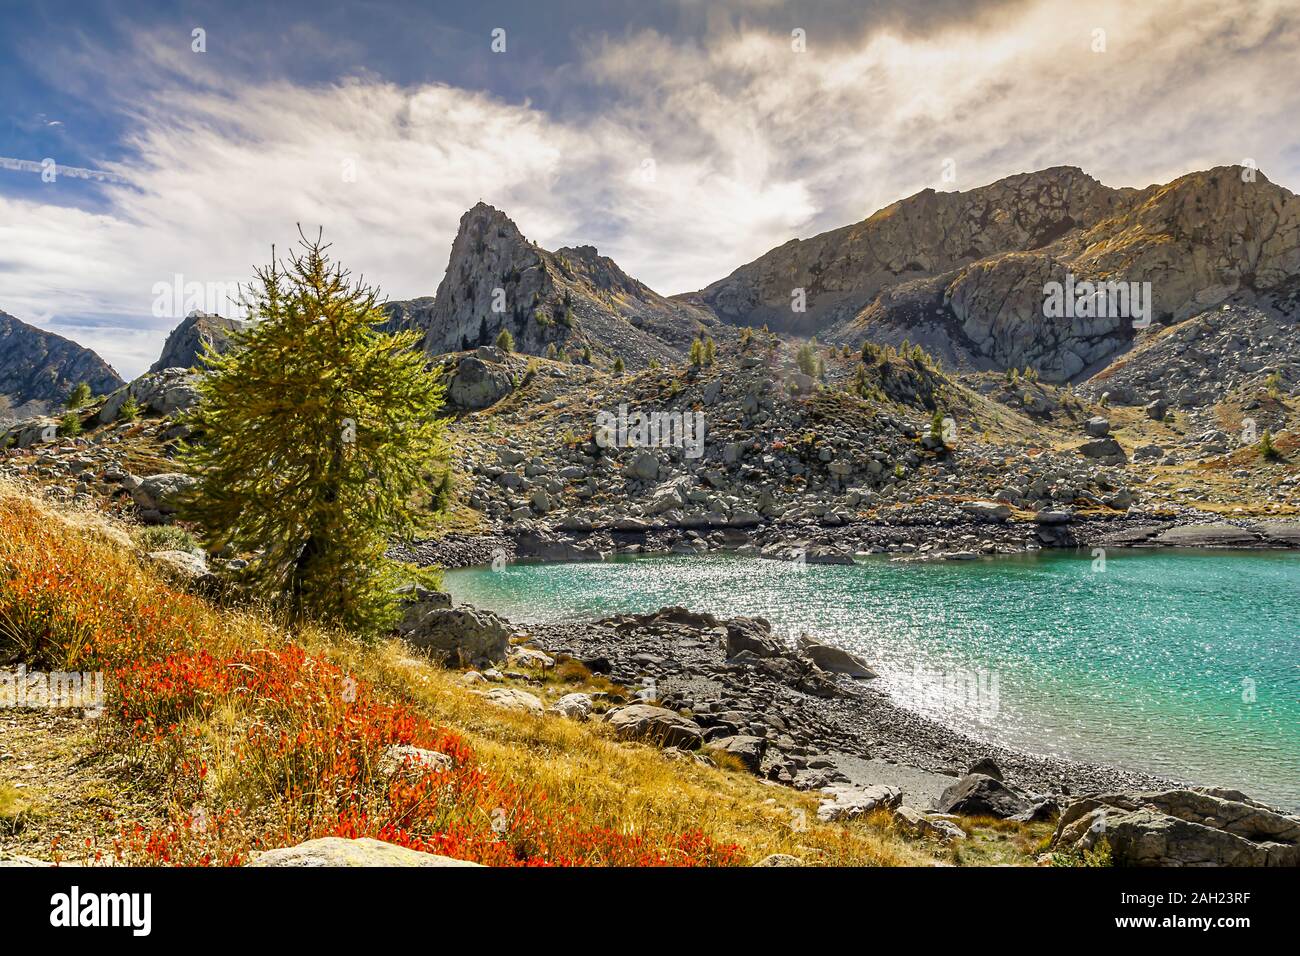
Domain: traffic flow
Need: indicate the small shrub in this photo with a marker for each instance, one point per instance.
(619, 367)
(505, 341)
(166, 537)
(80, 396)
(1267, 449)
(130, 410)
(70, 425)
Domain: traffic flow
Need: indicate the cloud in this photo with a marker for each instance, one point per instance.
(706, 150)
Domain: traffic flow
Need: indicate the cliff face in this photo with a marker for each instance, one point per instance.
(38, 369)
(186, 342)
(570, 298)
(964, 273)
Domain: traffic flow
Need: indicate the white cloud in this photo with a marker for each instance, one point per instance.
(751, 142)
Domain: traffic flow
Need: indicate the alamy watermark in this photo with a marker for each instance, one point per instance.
(684, 430)
(53, 690)
(958, 691)
(1087, 299)
(177, 298)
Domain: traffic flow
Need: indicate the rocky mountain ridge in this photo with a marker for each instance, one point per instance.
(568, 300)
(964, 273)
(38, 369)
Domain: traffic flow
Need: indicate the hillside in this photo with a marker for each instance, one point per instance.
(38, 369)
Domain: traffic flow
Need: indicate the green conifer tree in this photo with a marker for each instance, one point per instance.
(315, 438)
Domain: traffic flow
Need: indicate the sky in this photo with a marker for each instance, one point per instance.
(683, 138)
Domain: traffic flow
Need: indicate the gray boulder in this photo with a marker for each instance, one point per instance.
(978, 795)
(476, 384)
(162, 493)
(463, 636)
(657, 724)
(834, 659)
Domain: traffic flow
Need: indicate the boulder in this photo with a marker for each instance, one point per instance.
(779, 859)
(1097, 427)
(463, 636)
(412, 761)
(847, 802)
(162, 493)
(338, 851)
(1102, 449)
(183, 567)
(749, 750)
(826, 554)
(643, 465)
(918, 824)
(1217, 535)
(477, 384)
(834, 659)
(658, 724)
(986, 510)
(163, 392)
(986, 766)
(1195, 826)
(513, 699)
(978, 795)
(753, 634)
(573, 706)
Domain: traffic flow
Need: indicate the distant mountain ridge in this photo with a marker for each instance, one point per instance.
(963, 273)
(39, 369)
(197, 331)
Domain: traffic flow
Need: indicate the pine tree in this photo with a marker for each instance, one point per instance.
(697, 352)
(70, 425)
(709, 350)
(129, 410)
(79, 396)
(505, 341)
(314, 438)
(619, 367)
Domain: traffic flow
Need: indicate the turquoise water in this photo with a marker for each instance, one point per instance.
(1179, 663)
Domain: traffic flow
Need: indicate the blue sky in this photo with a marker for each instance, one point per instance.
(681, 137)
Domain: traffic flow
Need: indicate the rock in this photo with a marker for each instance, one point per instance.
(916, 823)
(1057, 516)
(196, 333)
(513, 699)
(643, 465)
(749, 750)
(1218, 535)
(531, 658)
(412, 761)
(826, 554)
(1181, 827)
(573, 706)
(834, 660)
(464, 636)
(1279, 533)
(162, 493)
(476, 384)
(185, 567)
(337, 851)
(779, 859)
(986, 510)
(1102, 449)
(978, 795)
(658, 724)
(753, 634)
(987, 767)
(1157, 409)
(850, 802)
(1097, 427)
(163, 392)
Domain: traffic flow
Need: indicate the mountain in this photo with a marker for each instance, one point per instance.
(38, 369)
(964, 273)
(186, 342)
(571, 298)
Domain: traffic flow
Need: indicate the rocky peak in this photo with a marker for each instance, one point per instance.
(39, 369)
(572, 299)
(187, 341)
